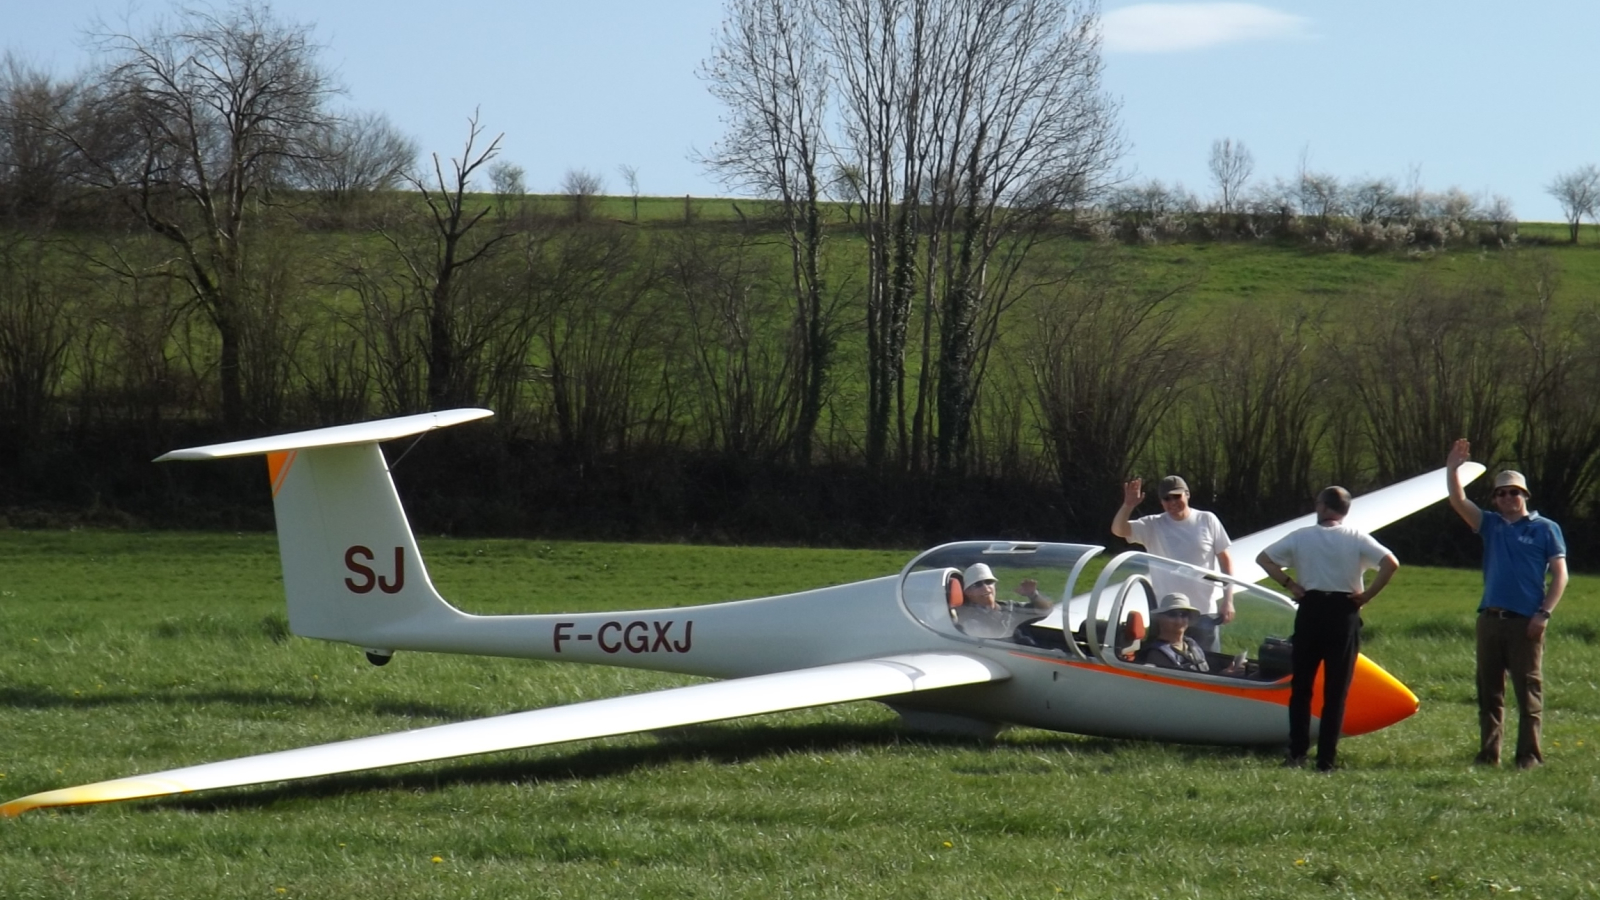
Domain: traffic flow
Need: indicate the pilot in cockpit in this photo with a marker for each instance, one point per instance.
(1172, 647)
(982, 614)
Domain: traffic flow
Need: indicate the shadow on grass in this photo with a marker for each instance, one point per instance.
(43, 698)
(722, 744)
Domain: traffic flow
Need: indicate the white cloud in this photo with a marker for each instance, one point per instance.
(1166, 27)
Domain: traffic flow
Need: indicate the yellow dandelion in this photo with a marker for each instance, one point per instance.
(1299, 862)
(282, 890)
(438, 859)
(948, 844)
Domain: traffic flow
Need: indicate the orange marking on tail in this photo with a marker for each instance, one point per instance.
(278, 465)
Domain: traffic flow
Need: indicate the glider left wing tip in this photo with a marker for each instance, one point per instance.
(99, 792)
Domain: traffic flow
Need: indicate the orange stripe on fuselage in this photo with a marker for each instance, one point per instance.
(278, 465)
(1376, 699)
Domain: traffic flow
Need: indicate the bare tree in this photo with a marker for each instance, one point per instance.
(354, 156)
(594, 326)
(1231, 167)
(1578, 192)
(217, 106)
(630, 177)
(40, 314)
(972, 123)
(582, 188)
(1321, 196)
(36, 164)
(437, 296)
(1257, 385)
(769, 70)
(1106, 372)
(734, 308)
(1425, 364)
(1557, 412)
(510, 188)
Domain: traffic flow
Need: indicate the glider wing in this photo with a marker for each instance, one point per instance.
(842, 682)
(1368, 512)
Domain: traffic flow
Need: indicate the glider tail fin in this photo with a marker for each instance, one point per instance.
(351, 567)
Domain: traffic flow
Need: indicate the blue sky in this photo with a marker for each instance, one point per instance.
(1490, 97)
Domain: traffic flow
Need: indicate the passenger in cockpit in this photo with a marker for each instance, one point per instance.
(981, 614)
(1171, 648)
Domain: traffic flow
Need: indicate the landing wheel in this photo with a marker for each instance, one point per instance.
(380, 657)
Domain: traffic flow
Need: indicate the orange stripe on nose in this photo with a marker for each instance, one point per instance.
(278, 465)
(1377, 699)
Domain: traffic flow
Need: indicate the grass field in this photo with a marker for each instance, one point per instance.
(123, 653)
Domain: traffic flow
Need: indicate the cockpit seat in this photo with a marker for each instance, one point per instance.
(1130, 637)
(954, 594)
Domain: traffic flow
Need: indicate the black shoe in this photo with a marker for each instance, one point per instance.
(1485, 760)
(1326, 770)
(1529, 763)
(1294, 762)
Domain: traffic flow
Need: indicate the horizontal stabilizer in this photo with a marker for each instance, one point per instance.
(337, 436)
(839, 683)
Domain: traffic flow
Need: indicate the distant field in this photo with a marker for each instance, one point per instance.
(123, 653)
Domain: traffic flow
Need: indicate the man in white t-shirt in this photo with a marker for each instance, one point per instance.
(1329, 560)
(1187, 535)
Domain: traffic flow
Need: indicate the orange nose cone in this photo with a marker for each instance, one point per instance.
(1377, 699)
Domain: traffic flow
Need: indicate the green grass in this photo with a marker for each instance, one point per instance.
(123, 653)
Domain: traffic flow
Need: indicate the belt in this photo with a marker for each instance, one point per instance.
(1327, 595)
(1499, 613)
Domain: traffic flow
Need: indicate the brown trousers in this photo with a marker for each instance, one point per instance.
(1504, 647)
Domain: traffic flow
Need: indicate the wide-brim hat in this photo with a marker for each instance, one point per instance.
(976, 574)
(1512, 478)
(1174, 603)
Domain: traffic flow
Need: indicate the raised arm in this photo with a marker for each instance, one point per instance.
(1460, 452)
(1132, 496)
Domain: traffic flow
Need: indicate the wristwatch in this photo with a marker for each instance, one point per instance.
(1543, 613)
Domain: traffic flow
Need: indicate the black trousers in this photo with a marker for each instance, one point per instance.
(1327, 633)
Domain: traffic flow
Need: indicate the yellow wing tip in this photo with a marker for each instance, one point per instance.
(99, 792)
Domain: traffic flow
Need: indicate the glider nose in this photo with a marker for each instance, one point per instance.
(1377, 699)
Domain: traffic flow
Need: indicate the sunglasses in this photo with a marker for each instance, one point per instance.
(1506, 492)
(1176, 614)
(1171, 497)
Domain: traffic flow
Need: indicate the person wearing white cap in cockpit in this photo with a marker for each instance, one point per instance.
(981, 609)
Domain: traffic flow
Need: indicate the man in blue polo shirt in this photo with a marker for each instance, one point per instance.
(1519, 549)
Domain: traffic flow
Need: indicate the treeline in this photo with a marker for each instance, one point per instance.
(645, 383)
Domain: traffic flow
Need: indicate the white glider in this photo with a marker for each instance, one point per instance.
(352, 573)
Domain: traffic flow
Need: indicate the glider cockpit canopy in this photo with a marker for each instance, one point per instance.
(1087, 593)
